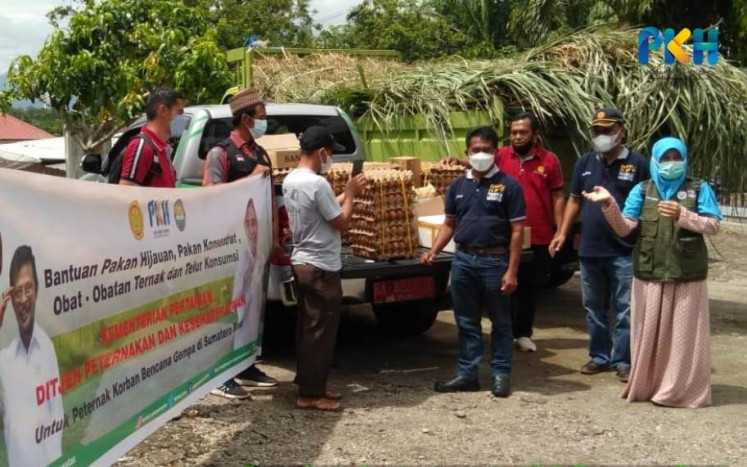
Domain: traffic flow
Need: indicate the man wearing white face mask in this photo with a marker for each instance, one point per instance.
(316, 220)
(234, 158)
(485, 212)
(604, 257)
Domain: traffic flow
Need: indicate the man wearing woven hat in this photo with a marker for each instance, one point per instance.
(234, 158)
(604, 257)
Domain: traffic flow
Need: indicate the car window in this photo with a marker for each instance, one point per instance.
(219, 129)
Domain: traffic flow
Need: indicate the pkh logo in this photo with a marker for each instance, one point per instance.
(158, 213)
(704, 45)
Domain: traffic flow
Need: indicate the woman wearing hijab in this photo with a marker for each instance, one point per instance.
(670, 341)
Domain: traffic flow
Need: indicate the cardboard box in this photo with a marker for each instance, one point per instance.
(428, 230)
(412, 164)
(428, 207)
(284, 149)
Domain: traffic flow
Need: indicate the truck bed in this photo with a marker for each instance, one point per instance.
(355, 267)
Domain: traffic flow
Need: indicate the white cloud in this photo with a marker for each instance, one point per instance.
(332, 12)
(23, 28)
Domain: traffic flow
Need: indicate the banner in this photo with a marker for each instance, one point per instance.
(120, 307)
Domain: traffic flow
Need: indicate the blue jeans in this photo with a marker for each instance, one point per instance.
(605, 281)
(476, 286)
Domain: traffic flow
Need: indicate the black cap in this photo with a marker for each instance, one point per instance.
(607, 117)
(316, 137)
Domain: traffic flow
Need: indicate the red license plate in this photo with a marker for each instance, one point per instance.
(401, 290)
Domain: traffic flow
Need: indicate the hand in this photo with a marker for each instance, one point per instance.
(356, 185)
(509, 283)
(261, 169)
(598, 195)
(4, 304)
(427, 257)
(670, 209)
(556, 244)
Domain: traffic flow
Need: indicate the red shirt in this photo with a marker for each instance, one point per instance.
(538, 177)
(138, 159)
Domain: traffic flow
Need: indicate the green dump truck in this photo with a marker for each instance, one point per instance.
(407, 137)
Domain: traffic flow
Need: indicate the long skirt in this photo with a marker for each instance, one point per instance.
(670, 344)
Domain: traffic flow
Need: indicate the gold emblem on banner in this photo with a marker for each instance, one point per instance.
(135, 216)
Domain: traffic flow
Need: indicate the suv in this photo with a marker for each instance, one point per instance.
(405, 296)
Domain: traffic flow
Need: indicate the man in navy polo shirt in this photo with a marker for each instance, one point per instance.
(605, 258)
(485, 213)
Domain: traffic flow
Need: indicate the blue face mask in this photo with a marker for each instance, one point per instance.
(672, 170)
(259, 129)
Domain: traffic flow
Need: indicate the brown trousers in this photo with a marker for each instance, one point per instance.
(319, 306)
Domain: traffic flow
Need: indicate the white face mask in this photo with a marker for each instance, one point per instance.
(259, 129)
(605, 143)
(326, 165)
(482, 161)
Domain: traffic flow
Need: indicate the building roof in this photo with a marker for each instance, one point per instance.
(13, 129)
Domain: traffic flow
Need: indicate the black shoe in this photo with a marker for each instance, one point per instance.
(593, 368)
(501, 386)
(458, 384)
(231, 390)
(623, 374)
(253, 376)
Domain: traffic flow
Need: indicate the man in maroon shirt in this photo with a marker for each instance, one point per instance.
(539, 174)
(147, 159)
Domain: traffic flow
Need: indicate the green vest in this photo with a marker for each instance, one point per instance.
(665, 252)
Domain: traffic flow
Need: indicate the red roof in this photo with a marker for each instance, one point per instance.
(13, 129)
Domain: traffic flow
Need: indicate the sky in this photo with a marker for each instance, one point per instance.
(24, 26)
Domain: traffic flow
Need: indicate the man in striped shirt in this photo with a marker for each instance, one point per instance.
(147, 159)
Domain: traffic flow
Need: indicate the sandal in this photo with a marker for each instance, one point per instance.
(319, 403)
(332, 395)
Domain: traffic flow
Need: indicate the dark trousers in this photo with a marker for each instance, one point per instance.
(319, 305)
(532, 277)
(476, 286)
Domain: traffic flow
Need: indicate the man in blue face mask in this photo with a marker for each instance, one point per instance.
(234, 158)
(604, 257)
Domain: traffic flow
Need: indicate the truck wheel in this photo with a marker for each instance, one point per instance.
(407, 318)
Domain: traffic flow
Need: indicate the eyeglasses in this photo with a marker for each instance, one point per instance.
(21, 291)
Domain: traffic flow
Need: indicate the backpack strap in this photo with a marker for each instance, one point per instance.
(155, 166)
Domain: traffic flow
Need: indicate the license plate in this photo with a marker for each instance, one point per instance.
(401, 290)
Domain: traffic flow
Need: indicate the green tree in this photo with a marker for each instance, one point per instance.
(46, 119)
(286, 23)
(96, 72)
(411, 27)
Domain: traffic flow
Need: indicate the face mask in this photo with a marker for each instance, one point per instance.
(482, 161)
(672, 170)
(326, 165)
(178, 125)
(524, 149)
(605, 143)
(259, 129)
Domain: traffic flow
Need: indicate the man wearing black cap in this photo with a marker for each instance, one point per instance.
(605, 258)
(316, 220)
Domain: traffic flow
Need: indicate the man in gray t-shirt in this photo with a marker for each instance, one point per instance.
(316, 220)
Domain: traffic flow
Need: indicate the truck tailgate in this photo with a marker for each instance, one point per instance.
(354, 267)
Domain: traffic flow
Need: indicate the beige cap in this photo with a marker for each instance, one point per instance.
(243, 100)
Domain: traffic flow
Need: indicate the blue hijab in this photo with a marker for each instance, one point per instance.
(707, 203)
(667, 188)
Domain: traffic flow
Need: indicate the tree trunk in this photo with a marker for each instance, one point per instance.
(75, 149)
